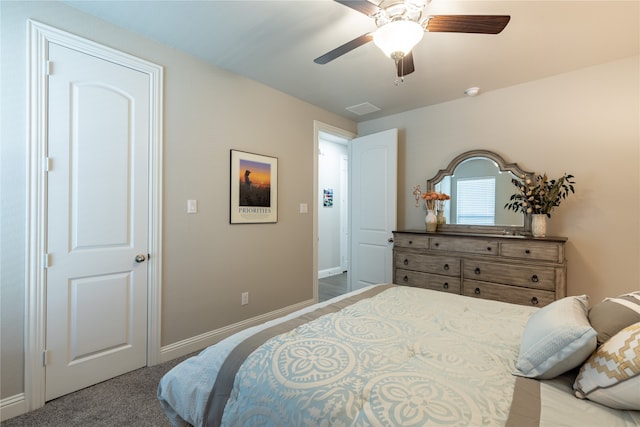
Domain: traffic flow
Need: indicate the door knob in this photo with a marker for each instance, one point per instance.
(140, 258)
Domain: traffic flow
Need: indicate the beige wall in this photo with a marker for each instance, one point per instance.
(586, 123)
(207, 262)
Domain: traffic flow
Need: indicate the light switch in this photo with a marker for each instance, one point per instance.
(303, 208)
(192, 206)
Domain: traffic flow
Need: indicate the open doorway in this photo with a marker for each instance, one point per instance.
(333, 205)
(371, 215)
(332, 211)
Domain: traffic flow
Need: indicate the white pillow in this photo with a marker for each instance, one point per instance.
(557, 338)
(611, 376)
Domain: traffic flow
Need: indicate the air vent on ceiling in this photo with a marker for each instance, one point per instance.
(364, 108)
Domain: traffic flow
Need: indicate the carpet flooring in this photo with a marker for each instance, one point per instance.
(127, 400)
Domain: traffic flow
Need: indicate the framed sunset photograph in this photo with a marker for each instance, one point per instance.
(254, 188)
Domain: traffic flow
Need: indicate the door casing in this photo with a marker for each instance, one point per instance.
(39, 36)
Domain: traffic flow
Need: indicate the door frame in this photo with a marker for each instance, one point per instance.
(38, 38)
(318, 127)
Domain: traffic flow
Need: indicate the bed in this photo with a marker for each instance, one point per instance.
(390, 355)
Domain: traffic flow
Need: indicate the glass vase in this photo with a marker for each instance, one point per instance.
(539, 225)
(431, 221)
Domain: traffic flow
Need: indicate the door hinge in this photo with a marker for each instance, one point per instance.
(49, 68)
(48, 164)
(46, 260)
(45, 358)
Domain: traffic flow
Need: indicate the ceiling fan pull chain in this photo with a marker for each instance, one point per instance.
(399, 66)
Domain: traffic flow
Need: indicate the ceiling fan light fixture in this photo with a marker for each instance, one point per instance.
(398, 37)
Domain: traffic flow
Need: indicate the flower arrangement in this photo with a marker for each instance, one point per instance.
(433, 199)
(541, 194)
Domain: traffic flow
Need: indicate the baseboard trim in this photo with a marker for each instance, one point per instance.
(199, 342)
(329, 272)
(12, 406)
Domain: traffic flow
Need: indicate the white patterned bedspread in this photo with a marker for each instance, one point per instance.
(183, 392)
(405, 357)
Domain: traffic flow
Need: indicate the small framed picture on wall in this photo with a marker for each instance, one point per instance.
(254, 188)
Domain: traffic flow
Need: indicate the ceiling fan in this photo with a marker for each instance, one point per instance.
(401, 25)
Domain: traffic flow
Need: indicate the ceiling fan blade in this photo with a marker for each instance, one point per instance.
(405, 65)
(345, 48)
(362, 6)
(482, 24)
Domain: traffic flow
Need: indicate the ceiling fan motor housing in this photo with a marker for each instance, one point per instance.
(396, 10)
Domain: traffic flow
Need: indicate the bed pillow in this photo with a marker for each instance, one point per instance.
(557, 338)
(611, 376)
(614, 314)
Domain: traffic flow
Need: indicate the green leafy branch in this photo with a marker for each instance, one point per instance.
(540, 195)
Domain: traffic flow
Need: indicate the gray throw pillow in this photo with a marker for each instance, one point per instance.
(614, 314)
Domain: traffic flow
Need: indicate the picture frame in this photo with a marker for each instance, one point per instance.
(327, 197)
(254, 188)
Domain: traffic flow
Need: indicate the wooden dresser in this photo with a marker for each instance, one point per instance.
(516, 269)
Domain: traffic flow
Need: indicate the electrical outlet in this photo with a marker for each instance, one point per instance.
(244, 298)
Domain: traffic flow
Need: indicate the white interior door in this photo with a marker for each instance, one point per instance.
(373, 196)
(97, 220)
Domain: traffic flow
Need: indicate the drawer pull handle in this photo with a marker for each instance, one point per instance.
(446, 267)
(411, 242)
(534, 278)
(437, 244)
(477, 291)
(405, 278)
(477, 270)
(445, 285)
(406, 262)
(534, 301)
(489, 248)
(527, 251)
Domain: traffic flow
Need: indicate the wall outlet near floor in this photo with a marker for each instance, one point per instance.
(244, 298)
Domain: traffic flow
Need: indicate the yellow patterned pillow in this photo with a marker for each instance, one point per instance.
(611, 376)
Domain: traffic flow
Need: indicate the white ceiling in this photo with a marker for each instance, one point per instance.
(275, 42)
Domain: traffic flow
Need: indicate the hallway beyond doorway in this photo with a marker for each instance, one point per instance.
(332, 286)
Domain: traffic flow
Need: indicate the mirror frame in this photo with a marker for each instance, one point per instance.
(503, 166)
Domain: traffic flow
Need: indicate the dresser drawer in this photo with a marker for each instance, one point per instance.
(466, 245)
(435, 282)
(541, 251)
(537, 277)
(410, 241)
(449, 266)
(504, 293)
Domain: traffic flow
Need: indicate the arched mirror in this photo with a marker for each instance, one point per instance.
(479, 183)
